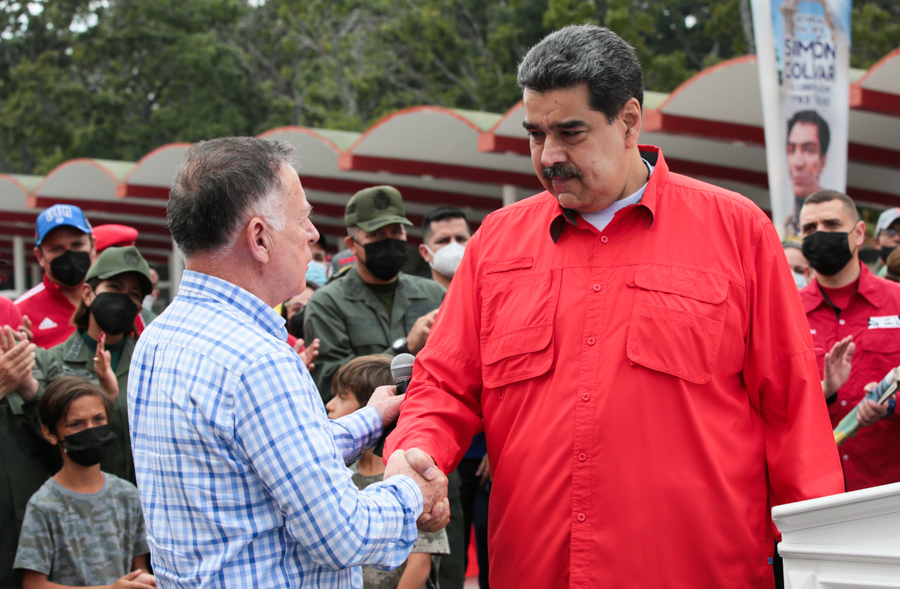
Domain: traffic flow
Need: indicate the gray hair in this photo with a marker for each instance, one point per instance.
(585, 54)
(221, 184)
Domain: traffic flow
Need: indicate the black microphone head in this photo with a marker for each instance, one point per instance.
(402, 366)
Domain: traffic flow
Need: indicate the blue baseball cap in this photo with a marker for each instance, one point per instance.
(59, 216)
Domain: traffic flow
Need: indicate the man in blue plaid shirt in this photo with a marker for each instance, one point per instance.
(241, 474)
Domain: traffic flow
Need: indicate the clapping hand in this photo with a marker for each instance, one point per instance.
(16, 362)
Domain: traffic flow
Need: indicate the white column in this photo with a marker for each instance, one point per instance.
(19, 264)
(37, 273)
(509, 194)
(176, 268)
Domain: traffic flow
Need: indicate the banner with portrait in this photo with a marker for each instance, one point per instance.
(803, 53)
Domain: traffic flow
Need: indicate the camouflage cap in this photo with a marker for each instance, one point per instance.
(119, 260)
(372, 208)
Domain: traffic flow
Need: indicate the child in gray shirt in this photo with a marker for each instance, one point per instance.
(83, 527)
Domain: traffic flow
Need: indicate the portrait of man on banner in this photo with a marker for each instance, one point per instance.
(805, 100)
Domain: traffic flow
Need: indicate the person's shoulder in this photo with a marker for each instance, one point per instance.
(429, 285)
(539, 204)
(30, 296)
(120, 485)
(696, 193)
(337, 289)
(211, 331)
(889, 289)
(47, 497)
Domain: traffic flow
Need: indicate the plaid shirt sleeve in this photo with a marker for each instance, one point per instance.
(298, 454)
(356, 432)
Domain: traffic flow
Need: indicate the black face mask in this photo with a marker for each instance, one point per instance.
(89, 446)
(71, 267)
(385, 258)
(827, 252)
(884, 252)
(295, 324)
(114, 312)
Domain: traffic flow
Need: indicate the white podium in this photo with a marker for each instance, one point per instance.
(848, 541)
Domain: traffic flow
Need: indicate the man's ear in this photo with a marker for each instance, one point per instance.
(423, 251)
(259, 241)
(631, 117)
(50, 437)
(860, 234)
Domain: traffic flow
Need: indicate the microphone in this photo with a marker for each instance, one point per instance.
(401, 371)
(849, 425)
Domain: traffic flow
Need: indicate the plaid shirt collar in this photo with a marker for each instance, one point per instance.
(195, 285)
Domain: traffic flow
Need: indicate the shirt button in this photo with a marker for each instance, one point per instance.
(842, 322)
(603, 239)
(846, 457)
(597, 288)
(591, 341)
(582, 457)
(586, 397)
(843, 403)
(581, 517)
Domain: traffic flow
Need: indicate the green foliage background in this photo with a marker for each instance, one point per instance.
(115, 79)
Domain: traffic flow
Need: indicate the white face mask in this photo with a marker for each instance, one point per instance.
(446, 260)
(800, 280)
(148, 301)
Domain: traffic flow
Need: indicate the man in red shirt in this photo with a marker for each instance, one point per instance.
(65, 250)
(846, 299)
(634, 347)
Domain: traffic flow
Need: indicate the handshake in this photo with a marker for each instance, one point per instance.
(419, 466)
(414, 463)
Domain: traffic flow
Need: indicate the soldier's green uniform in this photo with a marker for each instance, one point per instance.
(75, 357)
(350, 320)
(27, 460)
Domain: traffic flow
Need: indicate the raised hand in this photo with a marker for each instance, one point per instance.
(103, 368)
(309, 353)
(837, 366)
(418, 335)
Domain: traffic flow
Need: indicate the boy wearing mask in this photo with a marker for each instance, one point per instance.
(83, 527)
(352, 386)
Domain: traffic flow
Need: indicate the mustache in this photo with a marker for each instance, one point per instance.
(560, 171)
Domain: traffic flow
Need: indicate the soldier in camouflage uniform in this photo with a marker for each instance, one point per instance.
(78, 355)
(374, 308)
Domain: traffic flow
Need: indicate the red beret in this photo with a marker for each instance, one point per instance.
(113, 236)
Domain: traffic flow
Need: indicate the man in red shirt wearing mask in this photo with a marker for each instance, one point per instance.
(846, 299)
(65, 250)
(633, 345)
